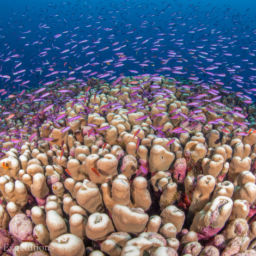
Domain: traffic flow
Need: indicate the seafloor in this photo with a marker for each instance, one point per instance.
(143, 166)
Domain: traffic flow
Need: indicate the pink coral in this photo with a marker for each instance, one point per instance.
(252, 212)
(40, 201)
(180, 169)
(21, 227)
(208, 232)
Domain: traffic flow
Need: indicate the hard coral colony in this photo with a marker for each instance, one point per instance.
(140, 167)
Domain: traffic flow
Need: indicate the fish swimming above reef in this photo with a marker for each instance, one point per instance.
(127, 128)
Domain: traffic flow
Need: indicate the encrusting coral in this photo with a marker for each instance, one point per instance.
(140, 167)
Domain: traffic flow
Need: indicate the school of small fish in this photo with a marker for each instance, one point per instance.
(171, 69)
(174, 39)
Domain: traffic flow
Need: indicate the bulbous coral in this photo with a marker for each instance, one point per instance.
(154, 181)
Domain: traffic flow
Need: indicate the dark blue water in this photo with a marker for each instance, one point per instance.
(206, 41)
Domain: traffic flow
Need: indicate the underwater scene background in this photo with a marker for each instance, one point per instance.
(127, 128)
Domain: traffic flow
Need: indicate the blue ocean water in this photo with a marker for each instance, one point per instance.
(200, 41)
(206, 41)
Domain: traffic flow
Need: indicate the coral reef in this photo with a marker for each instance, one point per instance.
(145, 166)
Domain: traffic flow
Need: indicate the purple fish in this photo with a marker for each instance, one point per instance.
(60, 117)
(103, 128)
(48, 108)
(65, 129)
(74, 118)
(142, 118)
